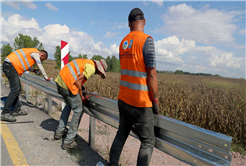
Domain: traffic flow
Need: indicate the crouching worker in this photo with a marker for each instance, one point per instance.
(69, 84)
(15, 64)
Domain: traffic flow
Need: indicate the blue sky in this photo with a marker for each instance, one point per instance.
(193, 36)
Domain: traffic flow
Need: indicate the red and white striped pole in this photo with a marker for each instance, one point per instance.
(64, 58)
(64, 53)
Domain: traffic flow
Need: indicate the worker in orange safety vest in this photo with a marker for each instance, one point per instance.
(138, 96)
(69, 84)
(14, 65)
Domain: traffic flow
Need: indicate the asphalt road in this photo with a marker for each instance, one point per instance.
(36, 141)
(5, 157)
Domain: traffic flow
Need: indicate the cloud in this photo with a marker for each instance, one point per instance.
(173, 53)
(110, 34)
(93, 23)
(79, 42)
(159, 2)
(242, 31)
(113, 50)
(16, 24)
(220, 58)
(170, 49)
(208, 26)
(51, 36)
(118, 25)
(51, 7)
(16, 4)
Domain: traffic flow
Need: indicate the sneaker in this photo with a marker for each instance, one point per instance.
(7, 117)
(69, 145)
(60, 135)
(21, 112)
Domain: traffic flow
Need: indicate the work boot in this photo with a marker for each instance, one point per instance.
(7, 117)
(59, 135)
(69, 145)
(20, 112)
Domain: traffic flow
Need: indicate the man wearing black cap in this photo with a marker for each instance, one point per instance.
(138, 96)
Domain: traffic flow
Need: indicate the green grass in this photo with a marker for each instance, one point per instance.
(238, 148)
(220, 84)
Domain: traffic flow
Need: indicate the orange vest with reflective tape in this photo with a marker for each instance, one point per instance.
(21, 59)
(134, 89)
(70, 72)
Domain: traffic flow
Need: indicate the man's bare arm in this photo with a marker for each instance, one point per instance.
(78, 83)
(153, 83)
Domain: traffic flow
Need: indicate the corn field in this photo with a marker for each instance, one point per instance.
(217, 104)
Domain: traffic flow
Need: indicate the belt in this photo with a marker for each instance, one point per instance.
(7, 62)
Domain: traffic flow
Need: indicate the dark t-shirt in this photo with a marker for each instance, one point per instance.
(149, 53)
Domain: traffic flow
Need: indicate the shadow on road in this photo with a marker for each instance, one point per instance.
(49, 124)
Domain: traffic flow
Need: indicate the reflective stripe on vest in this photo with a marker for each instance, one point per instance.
(134, 86)
(76, 66)
(23, 53)
(134, 73)
(21, 61)
(72, 71)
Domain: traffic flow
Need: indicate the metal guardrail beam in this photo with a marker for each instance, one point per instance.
(39, 83)
(189, 143)
(186, 142)
(1, 73)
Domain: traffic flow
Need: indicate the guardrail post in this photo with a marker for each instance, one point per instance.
(1, 90)
(1, 76)
(92, 132)
(27, 90)
(50, 102)
(92, 129)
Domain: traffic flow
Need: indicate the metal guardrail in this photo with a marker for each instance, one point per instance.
(186, 142)
(1, 73)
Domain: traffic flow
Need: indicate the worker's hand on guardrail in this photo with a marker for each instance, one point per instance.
(48, 79)
(155, 107)
(85, 101)
(37, 71)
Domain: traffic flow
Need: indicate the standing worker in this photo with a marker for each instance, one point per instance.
(69, 84)
(14, 65)
(138, 96)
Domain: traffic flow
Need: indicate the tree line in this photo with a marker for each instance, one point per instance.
(196, 74)
(112, 62)
(25, 41)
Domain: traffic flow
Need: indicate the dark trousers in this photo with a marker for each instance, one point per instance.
(15, 88)
(143, 121)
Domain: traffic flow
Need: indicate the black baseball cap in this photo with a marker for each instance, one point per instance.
(135, 14)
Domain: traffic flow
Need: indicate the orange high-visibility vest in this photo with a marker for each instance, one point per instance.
(134, 89)
(21, 59)
(70, 72)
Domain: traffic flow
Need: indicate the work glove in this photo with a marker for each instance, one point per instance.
(48, 79)
(155, 107)
(37, 71)
(85, 101)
